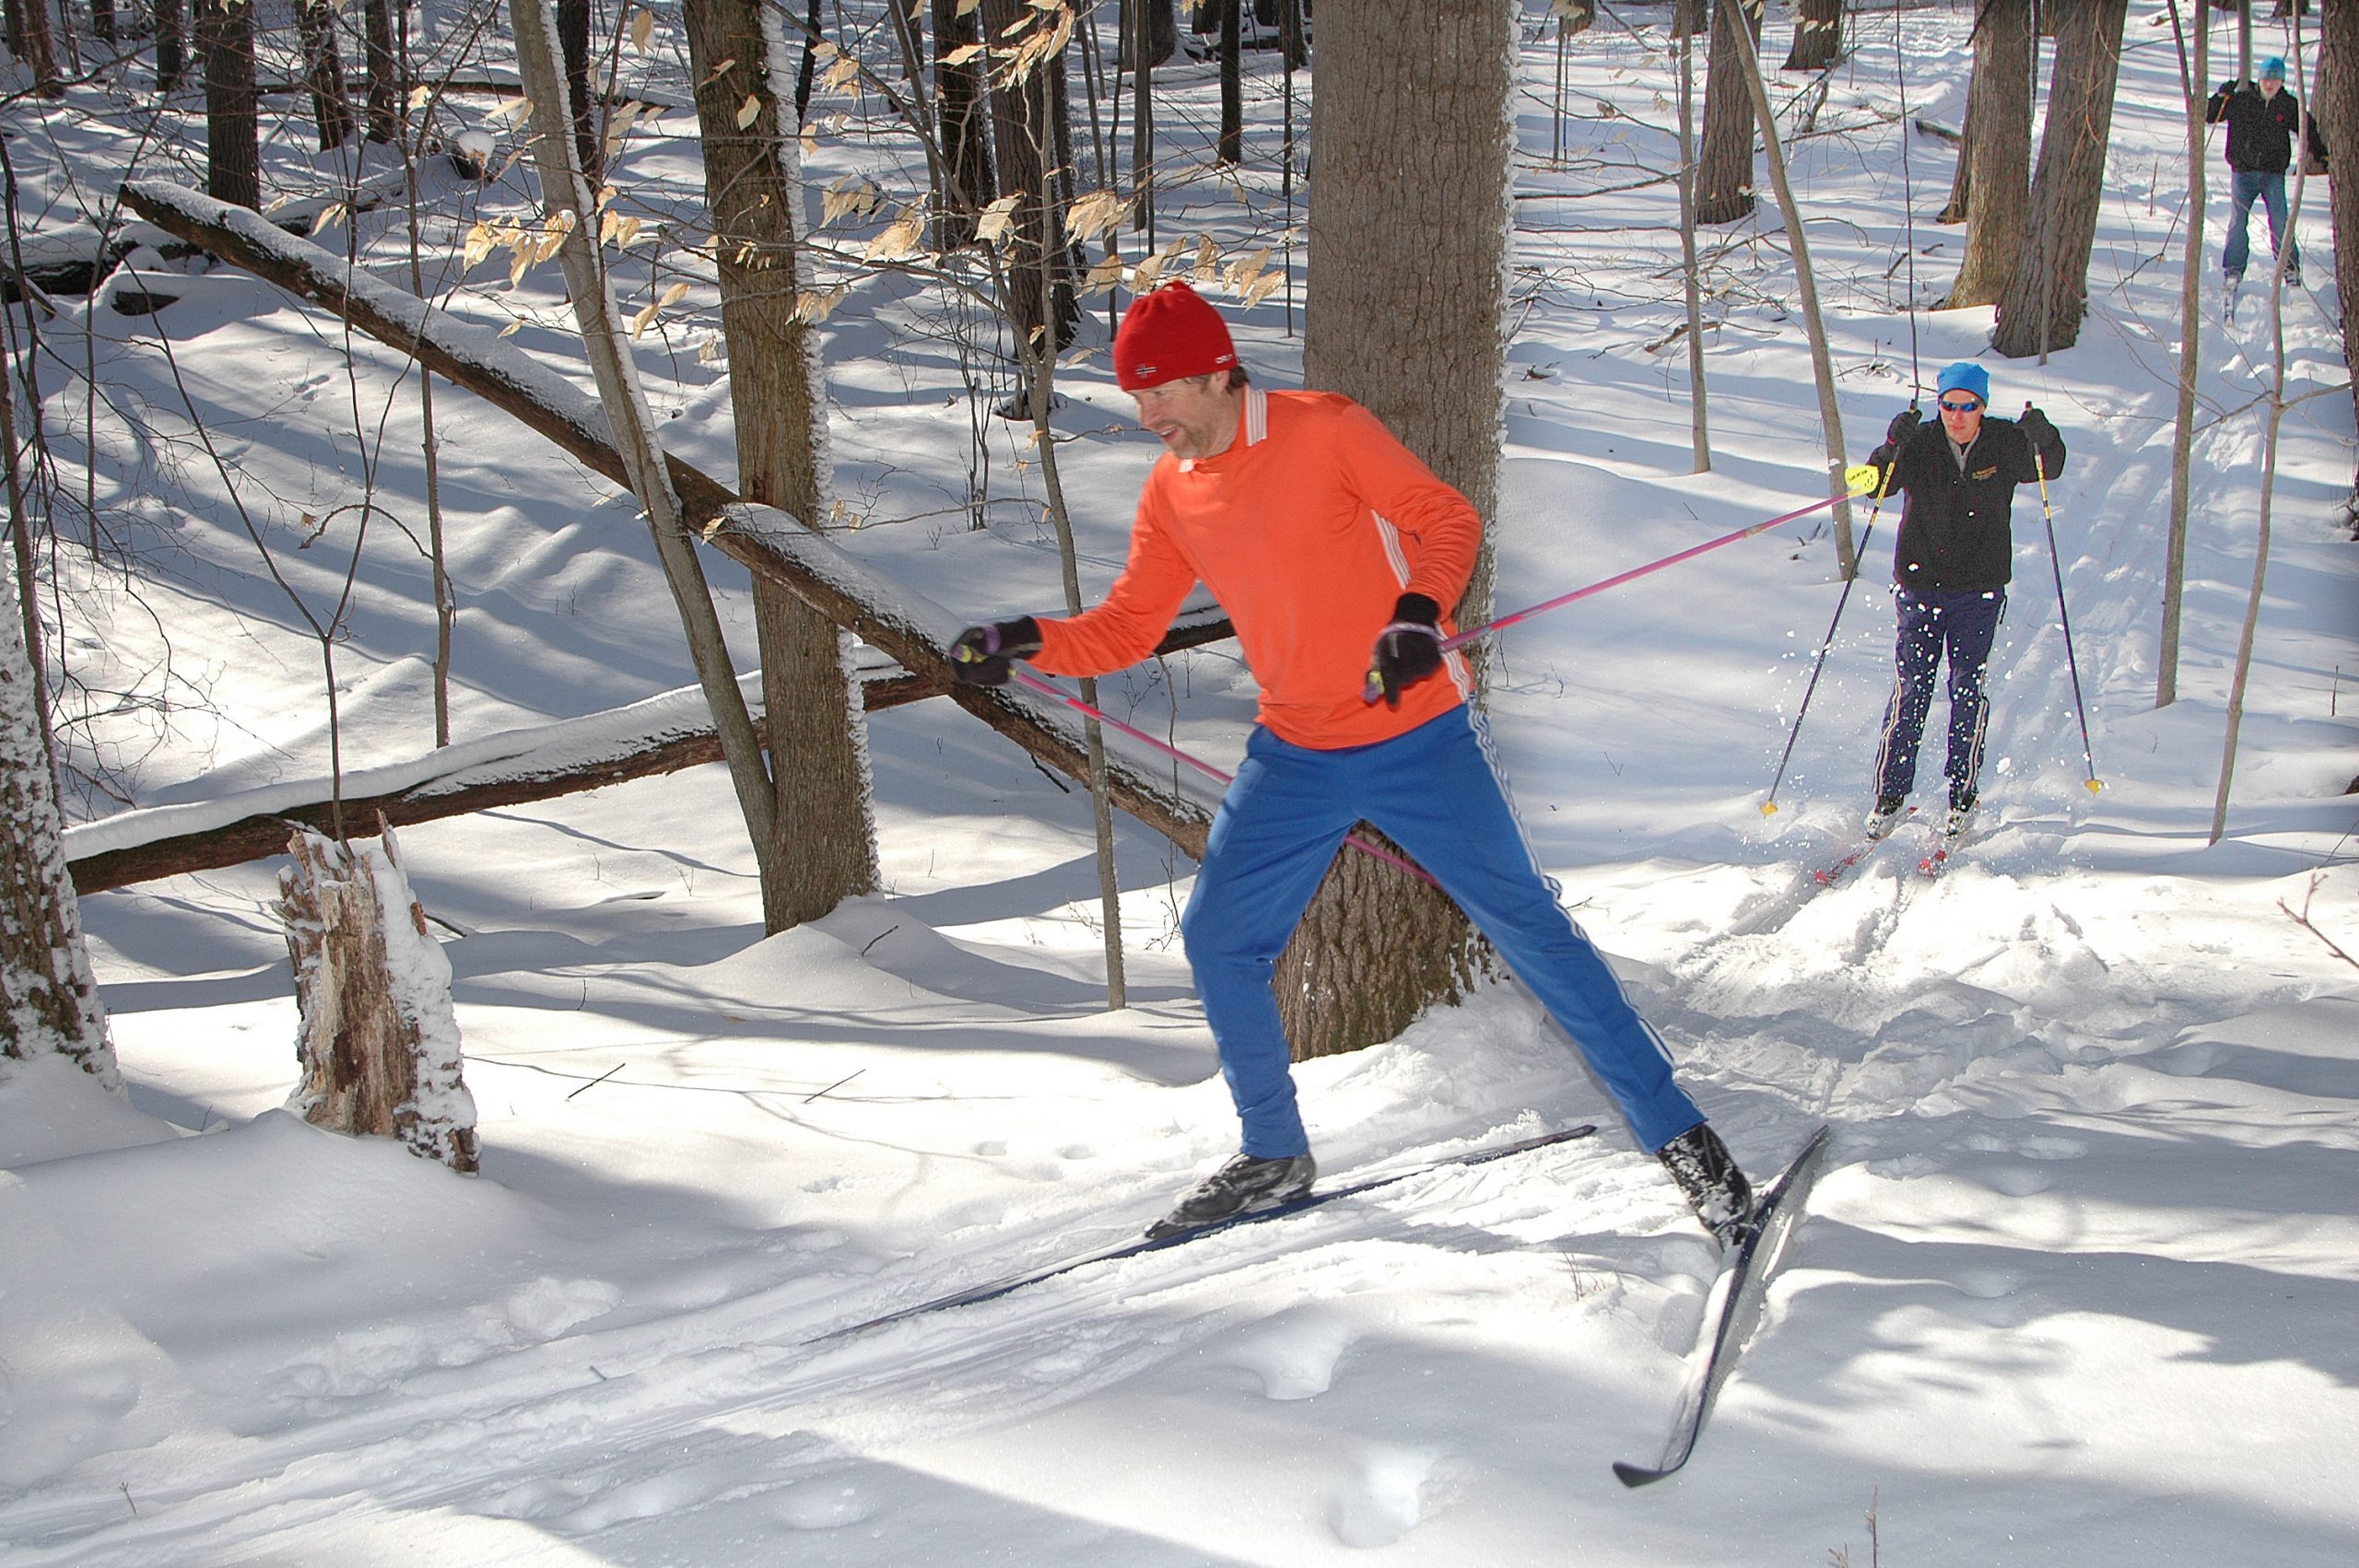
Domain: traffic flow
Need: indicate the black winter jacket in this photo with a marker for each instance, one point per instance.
(2261, 130)
(1956, 527)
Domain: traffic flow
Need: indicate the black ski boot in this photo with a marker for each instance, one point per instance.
(1706, 1173)
(1239, 1186)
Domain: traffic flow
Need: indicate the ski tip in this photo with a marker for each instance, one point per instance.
(1636, 1476)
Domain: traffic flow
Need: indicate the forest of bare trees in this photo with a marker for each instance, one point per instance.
(1031, 182)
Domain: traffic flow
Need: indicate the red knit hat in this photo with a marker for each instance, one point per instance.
(1167, 334)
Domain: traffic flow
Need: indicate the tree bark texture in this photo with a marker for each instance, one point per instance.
(377, 1036)
(1408, 240)
(49, 998)
(1230, 147)
(1997, 153)
(225, 33)
(2338, 115)
(574, 37)
(2043, 303)
(324, 71)
(1724, 162)
(1818, 36)
(1962, 178)
(1158, 22)
(172, 43)
(384, 70)
(824, 833)
(1024, 116)
(961, 124)
(32, 42)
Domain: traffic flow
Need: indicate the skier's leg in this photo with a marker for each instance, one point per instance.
(2242, 190)
(2281, 234)
(1917, 652)
(1441, 798)
(1969, 623)
(1277, 829)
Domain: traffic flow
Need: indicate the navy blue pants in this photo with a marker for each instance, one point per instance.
(1935, 626)
(1435, 792)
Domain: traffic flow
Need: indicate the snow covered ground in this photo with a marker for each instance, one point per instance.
(2078, 1284)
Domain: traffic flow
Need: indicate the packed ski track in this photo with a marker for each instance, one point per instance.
(2074, 1283)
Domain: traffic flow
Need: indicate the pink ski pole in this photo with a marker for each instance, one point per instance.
(1375, 686)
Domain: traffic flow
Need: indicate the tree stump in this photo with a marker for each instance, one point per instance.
(379, 1041)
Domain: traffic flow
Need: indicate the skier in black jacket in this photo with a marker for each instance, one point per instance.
(2263, 119)
(1951, 566)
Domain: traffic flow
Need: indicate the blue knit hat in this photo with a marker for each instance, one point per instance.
(1965, 376)
(2274, 66)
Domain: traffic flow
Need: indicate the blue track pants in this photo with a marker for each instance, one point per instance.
(1958, 626)
(1433, 791)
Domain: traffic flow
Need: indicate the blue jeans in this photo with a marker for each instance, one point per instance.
(2268, 186)
(1433, 791)
(1959, 627)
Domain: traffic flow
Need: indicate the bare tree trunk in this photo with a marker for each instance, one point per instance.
(1150, 29)
(225, 31)
(1818, 36)
(32, 42)
(384, 70)
(1998, 147)
(2195, 88)
(826, 849)
(2043, 303)
(1686, 15)
(573, 37)
(1408, 242)
(959, 123)
(323, 69)
(1230, 147)
(378, 1040)
(1962, 180)
(172, 42)
(1830, 412)
(1023, 132)
(48, 998)
(569, 203)
(2337, 107)
(1724, 167)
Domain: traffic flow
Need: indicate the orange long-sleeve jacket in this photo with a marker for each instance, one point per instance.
(1306, 529)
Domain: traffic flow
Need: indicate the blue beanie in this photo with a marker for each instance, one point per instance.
(2274, 66)
(1965, 376)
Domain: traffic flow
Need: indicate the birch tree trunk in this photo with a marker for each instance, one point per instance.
(569, 201)
(826, 849)
(1998, 148)
(48, 998)
(1409, 256)
(1687, 14)
(2042, 305)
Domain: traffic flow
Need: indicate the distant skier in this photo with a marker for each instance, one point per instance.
(1333, 550)
(2263, 119)
(1951, 565)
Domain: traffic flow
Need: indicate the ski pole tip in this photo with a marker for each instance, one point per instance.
(1768, 808)
(2094, 785)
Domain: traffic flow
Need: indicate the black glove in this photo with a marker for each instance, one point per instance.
(1407, 650)
(2036, 427)
(983, 656)
(1884, 456)
(1903, 424)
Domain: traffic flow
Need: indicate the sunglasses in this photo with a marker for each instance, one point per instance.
(1949, 408)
